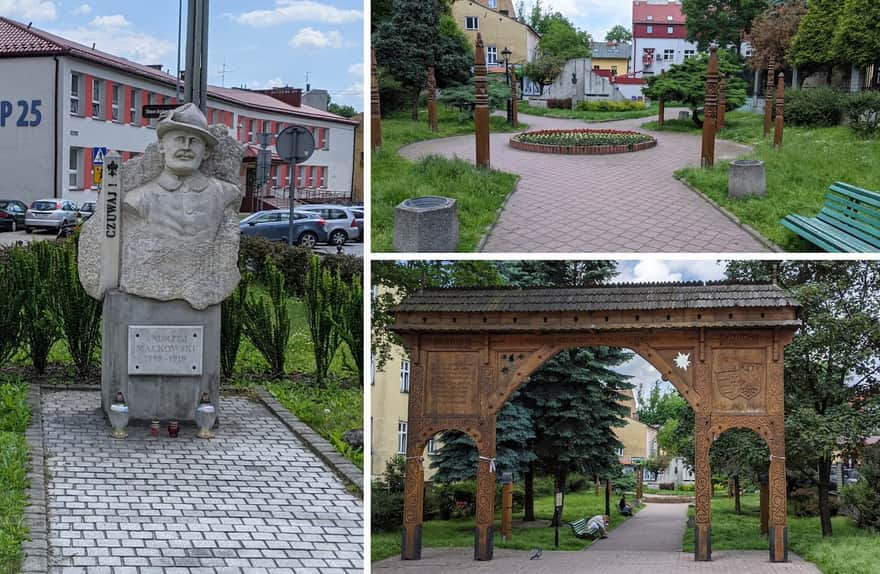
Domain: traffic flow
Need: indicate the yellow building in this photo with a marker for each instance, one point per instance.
(357, 184)
(496, 22)
(639, 440)
(611, 57)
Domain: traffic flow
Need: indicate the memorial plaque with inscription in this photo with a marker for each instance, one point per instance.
(452, 384)
(165, 350)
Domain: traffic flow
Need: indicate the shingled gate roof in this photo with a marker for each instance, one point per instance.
(628, 296)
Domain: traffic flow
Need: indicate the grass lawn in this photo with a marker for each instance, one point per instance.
(798, 175)
(460, 532)
(479, 192)
(525, 108)
(14, 418)
(850, 551)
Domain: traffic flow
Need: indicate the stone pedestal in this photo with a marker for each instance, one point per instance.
(426, 224)
(746, 178)
(137, 339)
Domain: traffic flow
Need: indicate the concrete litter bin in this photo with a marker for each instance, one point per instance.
(424, 224)
(682, 115)
(746, 178)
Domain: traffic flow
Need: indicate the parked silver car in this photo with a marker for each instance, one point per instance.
(50, 214)
(341, 223)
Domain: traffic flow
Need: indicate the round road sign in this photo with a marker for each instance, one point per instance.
(295, 143)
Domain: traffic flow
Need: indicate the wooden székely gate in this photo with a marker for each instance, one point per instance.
(721, 345)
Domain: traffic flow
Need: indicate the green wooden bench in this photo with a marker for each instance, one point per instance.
(579, 527)
(848, 223)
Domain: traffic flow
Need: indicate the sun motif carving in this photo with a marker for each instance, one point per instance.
(683, 361)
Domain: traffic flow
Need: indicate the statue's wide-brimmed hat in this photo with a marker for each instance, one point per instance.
(187, 117)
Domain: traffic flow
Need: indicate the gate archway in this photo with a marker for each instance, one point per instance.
(720, 344)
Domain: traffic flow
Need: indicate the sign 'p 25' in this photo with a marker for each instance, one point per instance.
(26, 109)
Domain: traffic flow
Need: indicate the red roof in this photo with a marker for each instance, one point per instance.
(17, 39)
(659, 11)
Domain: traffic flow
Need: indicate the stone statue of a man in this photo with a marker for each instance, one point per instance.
(180, 230)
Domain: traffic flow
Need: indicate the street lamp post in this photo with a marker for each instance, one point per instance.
(506, 53)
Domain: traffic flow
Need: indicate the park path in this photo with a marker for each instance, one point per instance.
(648, 542)
(626, 202)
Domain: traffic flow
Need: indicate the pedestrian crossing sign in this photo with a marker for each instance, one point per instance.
(98, 154)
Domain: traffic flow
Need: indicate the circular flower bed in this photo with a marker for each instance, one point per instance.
(582, 142)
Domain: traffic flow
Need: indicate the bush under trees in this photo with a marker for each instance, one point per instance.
(610, 106)
(863, 112)
(267, 320)
(815, 107)
(232, 314)
(322, 298)
(40, 326)
(864, 496)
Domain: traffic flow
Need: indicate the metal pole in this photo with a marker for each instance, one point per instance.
(203, 64)
(179, 40)
(190, 52)
(291, 192)
(195, 88)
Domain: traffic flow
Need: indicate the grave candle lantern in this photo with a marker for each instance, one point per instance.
(206, 414)
(119, 417)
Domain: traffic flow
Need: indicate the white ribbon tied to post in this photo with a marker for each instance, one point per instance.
(491, 462)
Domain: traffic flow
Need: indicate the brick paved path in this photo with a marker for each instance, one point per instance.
(613, 203)
(252, 500)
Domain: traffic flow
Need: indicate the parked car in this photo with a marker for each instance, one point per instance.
(50, 214)
(308, 227)
(359, 219)
(12, 214)
(341, 222)
(87, 209)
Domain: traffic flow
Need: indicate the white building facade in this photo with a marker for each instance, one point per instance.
(659, 36)
(62, 101)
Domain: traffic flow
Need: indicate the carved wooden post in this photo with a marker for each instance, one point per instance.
(780, 104)
(641, 472)
(765, 504)
(483, 533)
(768, 95)
(432, 100)
(778, 512)
(722, 102)
(703, 488)
(710, 110)
(375, 114)
(413, 503)
(481, 104)
(506, 509)
(513, 99)
(661, 106)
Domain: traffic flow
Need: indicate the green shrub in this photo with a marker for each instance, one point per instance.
(10, 309)
(624, 482)
(457, 499)
(40, 326)
(610, 106)
(348, 318)
(864, 496)
(293, 262)
(863, 112)
(322, 296)
(386, 509)
(267, 320)
(687, 488)
(232, 313)
(814, 107)
(14, 411)
(78, 313)
(804, 502)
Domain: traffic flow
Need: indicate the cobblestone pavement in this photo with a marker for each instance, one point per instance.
(252, 500)
(606, 203)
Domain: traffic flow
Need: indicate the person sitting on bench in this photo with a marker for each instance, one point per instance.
(625, 509)
(599, 522)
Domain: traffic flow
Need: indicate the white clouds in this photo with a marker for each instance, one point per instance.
(28, 9)
(114, 20)
(298, 11)
(275, 82)
(116, 35)
(82, 10)
(310, 38)
(356, 70)
(648, 270)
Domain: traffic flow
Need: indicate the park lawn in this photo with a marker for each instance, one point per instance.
(798, 175)
(525, 108)
(850, 551)
(459, 532)
(14, 459)
(478, 192)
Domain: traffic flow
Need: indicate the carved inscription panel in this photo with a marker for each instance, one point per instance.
(165, 350)
(451, 385)
(739, 380)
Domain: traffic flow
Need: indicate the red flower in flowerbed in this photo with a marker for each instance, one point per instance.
(583, 141)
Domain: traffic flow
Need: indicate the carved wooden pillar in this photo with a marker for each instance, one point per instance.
(481, 103)
(722, 102)
(778, 517)
(768, 95)
(703, 489)
(432, 99)
(765, 505)
(710, 110)
(513, 99)
(780, 105)
(414, 482)
(375, 113)
(639, 478)
(661, 106)
(483, 533)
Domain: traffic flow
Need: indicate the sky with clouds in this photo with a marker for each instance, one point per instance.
(647, 270)
(260, 43)
(597, 17)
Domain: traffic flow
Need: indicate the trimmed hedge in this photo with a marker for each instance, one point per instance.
(610, 106)
(815, 107)
(863, 112)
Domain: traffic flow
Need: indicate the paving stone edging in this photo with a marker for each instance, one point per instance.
(489, 228)
(315, 442)
(747, 228)
(36, 551)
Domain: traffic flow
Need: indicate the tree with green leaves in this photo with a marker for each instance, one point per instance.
(857, 40)
(720, 22)
(686, 82)
(812, 48)
(740, 454)
(266, 320)
(342, 110)
(656, 407)
(560, 42)
(772, 34)
(832, 377)
(619, 34)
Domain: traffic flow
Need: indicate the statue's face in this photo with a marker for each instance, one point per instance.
(183, 151)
